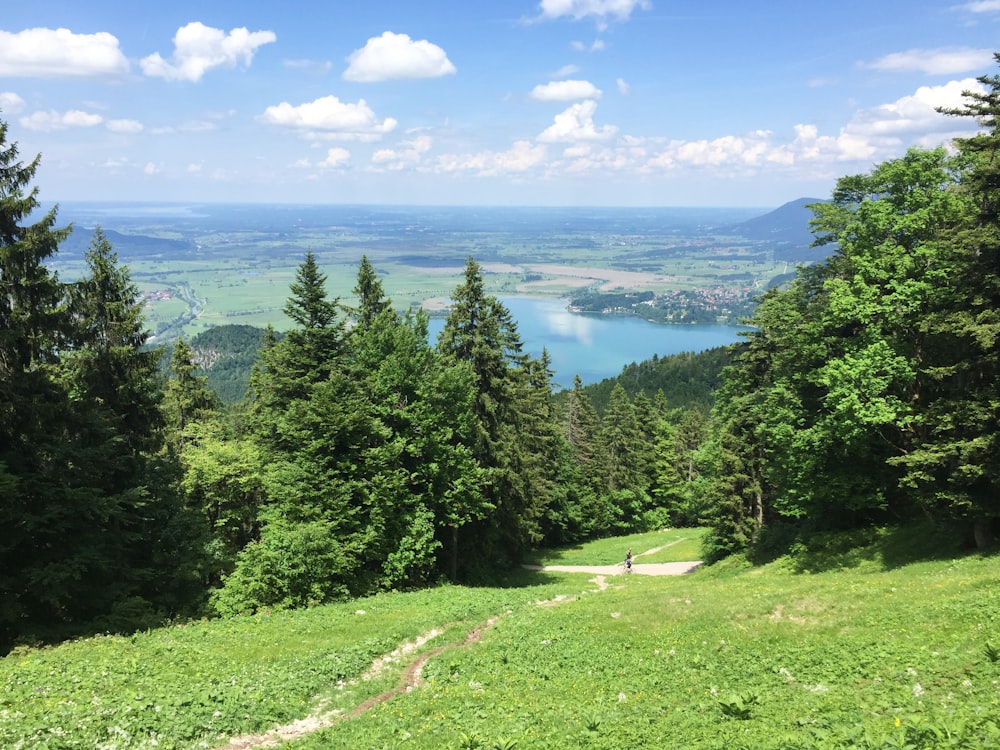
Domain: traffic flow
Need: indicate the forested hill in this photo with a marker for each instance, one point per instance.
(688, 380)
(226, 354)
(788, 228)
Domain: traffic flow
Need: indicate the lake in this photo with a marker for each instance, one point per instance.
(596, 347)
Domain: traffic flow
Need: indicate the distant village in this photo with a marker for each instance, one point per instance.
(160, 295)
(723, 304)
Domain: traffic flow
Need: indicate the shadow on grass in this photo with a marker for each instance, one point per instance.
(516, 578)
(884, 547)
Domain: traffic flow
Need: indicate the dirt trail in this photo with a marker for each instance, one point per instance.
(412, 676)
(646, 569)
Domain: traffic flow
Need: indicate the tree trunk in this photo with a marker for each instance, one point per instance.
(982, 530)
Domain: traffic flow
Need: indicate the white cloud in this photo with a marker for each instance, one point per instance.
(601, 10)
(127, 127)
(982, 6)
(915, 117)
(397, 56)
(46, 122)
(330, 117)
(566, 70)
(194, 168)
(596, 46)
(11, 103)
(150, 168)
(521, 157)
(872, 135)
(935, 61)
(409, 155)
(199, 48)
(335, 157)
(54, 53)
(623, 87)
(565, 91)
(576, 124)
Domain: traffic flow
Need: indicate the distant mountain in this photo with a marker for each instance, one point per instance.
(787, 229)
(128, 246)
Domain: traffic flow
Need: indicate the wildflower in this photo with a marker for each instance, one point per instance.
(911, 671)
(966, 683)
(917, 690)
(621, 697)
(898, 722)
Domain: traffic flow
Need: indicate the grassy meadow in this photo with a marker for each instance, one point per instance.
(839, 646)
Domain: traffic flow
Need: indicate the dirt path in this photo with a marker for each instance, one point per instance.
(645, 569)
(412, 676)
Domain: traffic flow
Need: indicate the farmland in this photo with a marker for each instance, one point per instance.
(207, 265)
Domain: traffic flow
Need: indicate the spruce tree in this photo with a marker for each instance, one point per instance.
(43, 508)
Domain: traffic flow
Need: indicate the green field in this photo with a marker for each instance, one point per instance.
(876, 649)
(230, 266)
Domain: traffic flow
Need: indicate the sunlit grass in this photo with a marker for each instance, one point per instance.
(862, 654)
(671, 545)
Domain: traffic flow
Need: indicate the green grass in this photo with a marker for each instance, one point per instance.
(874, 652)
(671, 545)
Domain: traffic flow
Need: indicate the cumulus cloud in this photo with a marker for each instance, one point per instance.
(393, 56)
(601, 10)
(56, 53)
(872, 135)
(328, 117)
(565, 91)
(409, 154)
(577, 124)
(46, 122)
(623, 87)
(150, 168)
(127, 127)
(335, 157)
(199, 48)
(11, 103)
(914, 117)
(596, 46)
(934, 61)
(521, 157)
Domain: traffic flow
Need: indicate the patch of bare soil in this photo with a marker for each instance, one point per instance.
(410, 679)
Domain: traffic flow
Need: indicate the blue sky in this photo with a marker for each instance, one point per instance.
(520, 102)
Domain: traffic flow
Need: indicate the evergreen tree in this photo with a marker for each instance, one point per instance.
(146, 557)
(371, 298)
(624, 468)
(45, 510)
(312, 424)
(480, 332)
(187, 399)
(955, 468)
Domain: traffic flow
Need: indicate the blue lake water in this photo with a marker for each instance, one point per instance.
(596, 347)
